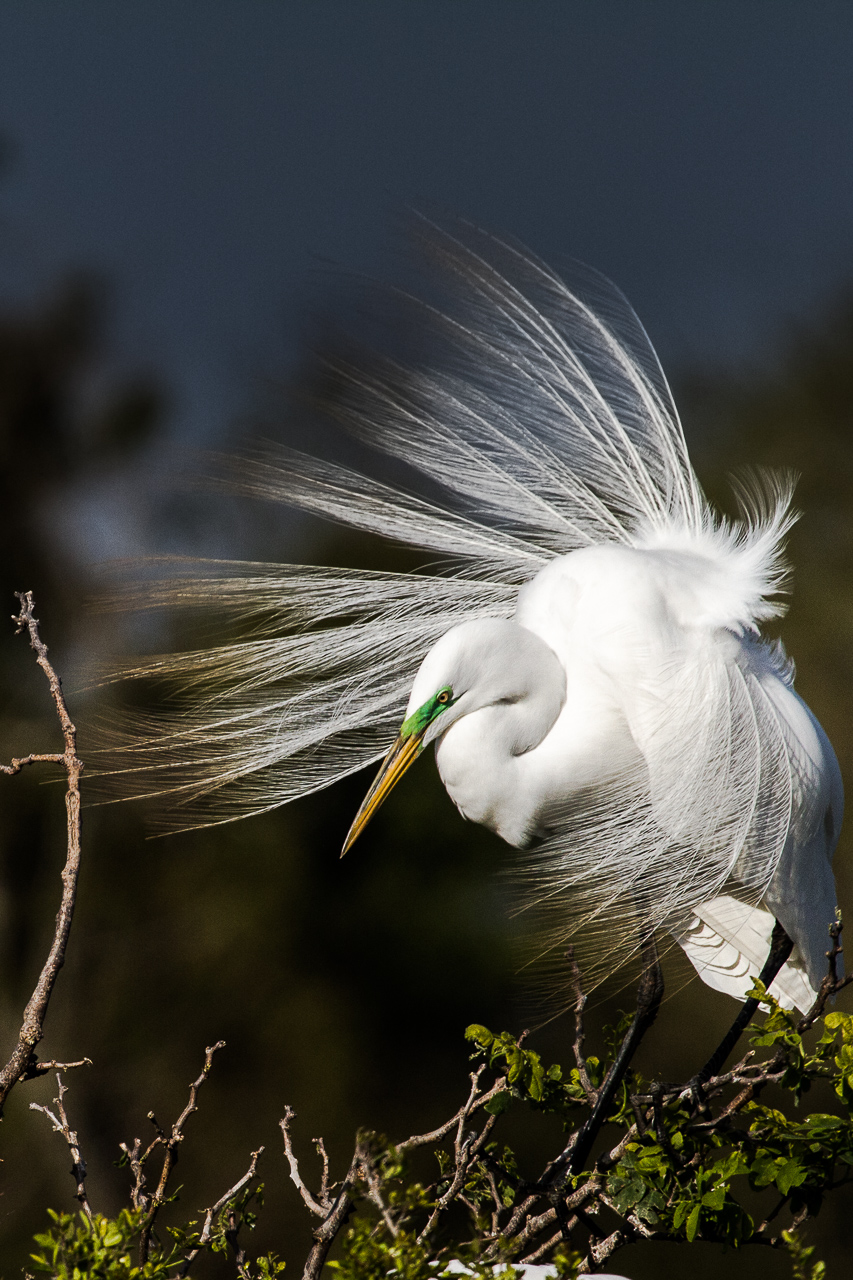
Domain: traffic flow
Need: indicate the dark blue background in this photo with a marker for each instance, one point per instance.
(207, 156)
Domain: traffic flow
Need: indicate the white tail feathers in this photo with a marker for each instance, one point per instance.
(728, 942)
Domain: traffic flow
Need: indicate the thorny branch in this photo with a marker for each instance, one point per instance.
(22, 1065)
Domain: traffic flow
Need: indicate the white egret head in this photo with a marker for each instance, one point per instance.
(487, 662)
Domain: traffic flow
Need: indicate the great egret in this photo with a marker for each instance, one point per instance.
(587, 661)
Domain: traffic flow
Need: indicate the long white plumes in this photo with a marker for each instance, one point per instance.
(547, 427)
(710, 806)
(260, 722)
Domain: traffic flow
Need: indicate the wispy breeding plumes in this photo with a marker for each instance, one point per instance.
(544, 426)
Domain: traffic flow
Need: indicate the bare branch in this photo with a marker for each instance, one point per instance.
(20, 1064)
(18, 763)
(319, 1207)
(600, 1251)
(211, 1213)
(478, 1102)
(580, 1035)
(339, 1211)
(61, 1125)
(138, 1198)
(535, 1225)
(170, 1155)
(36, 1069)
(831, 984)
(374, 1191)
(324, 1183)
(333, 1210)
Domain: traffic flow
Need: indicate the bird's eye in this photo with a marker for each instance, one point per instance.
(443, 698)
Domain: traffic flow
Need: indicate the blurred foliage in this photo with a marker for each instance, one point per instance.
(342, 988)
(61, 418)
(107, 1248)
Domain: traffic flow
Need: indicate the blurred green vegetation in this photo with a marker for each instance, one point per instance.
(341, 988)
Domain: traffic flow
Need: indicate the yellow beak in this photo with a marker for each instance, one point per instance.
(395, 764)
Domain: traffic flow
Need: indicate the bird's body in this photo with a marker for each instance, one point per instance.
(555, 707)
(588, 659)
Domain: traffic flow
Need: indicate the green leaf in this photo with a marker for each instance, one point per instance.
(497, 1105)
(681, 1211)
(763, 1169)
(693, 1222)
(790, 1174)
(818, 1120)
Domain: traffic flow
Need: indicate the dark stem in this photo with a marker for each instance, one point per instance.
(339, 1211)
(781, 947)
(649, 996)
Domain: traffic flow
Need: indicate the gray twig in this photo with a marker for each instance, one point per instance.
(21, 1064)
(170, 1154)
(233, 1225)
(61, 1125)
(338, 1212)
(318, 1207)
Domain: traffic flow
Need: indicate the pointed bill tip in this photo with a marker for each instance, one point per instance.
(395, 764)
(349, 842)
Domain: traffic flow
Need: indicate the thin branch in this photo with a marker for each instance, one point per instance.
(831, 984)
(374, 1191)
(36, 1069)
(570, 1204)
(210, 1217)
(61, 1125)
(321, 1207)
(580, 1034)
(339, 1211)
(20, 1063)
(544, 1249)
(138, 1198)
(170, 1155)
(18, 763)
(324, 1181)
(600, 1251)
(468, 1109)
